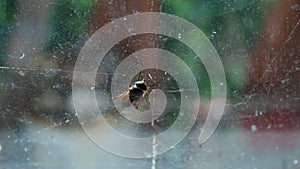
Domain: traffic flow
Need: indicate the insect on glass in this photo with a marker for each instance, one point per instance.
(137, 91)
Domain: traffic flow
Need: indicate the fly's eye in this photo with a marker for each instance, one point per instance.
(135, 93)
(141, 85)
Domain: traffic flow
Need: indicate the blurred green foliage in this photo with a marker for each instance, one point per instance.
(7, 16)
(70, 19)
(231, 25)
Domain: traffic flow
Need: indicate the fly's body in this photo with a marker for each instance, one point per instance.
(137, 92)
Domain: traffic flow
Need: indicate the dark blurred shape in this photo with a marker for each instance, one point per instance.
(273, 86)
(107, 11)
(24, 48)
(275, 64)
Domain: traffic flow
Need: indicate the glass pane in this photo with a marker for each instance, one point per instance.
(152, 84)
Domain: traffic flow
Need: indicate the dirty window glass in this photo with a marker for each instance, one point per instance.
(152, 84)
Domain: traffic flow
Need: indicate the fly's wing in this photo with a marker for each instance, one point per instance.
(143, 103)
(146, 93)
(123, 98)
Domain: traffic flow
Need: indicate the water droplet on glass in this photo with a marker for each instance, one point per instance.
(269, 126)
(253, 128)
(179, 36)
(21, 73)
(22, 56)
